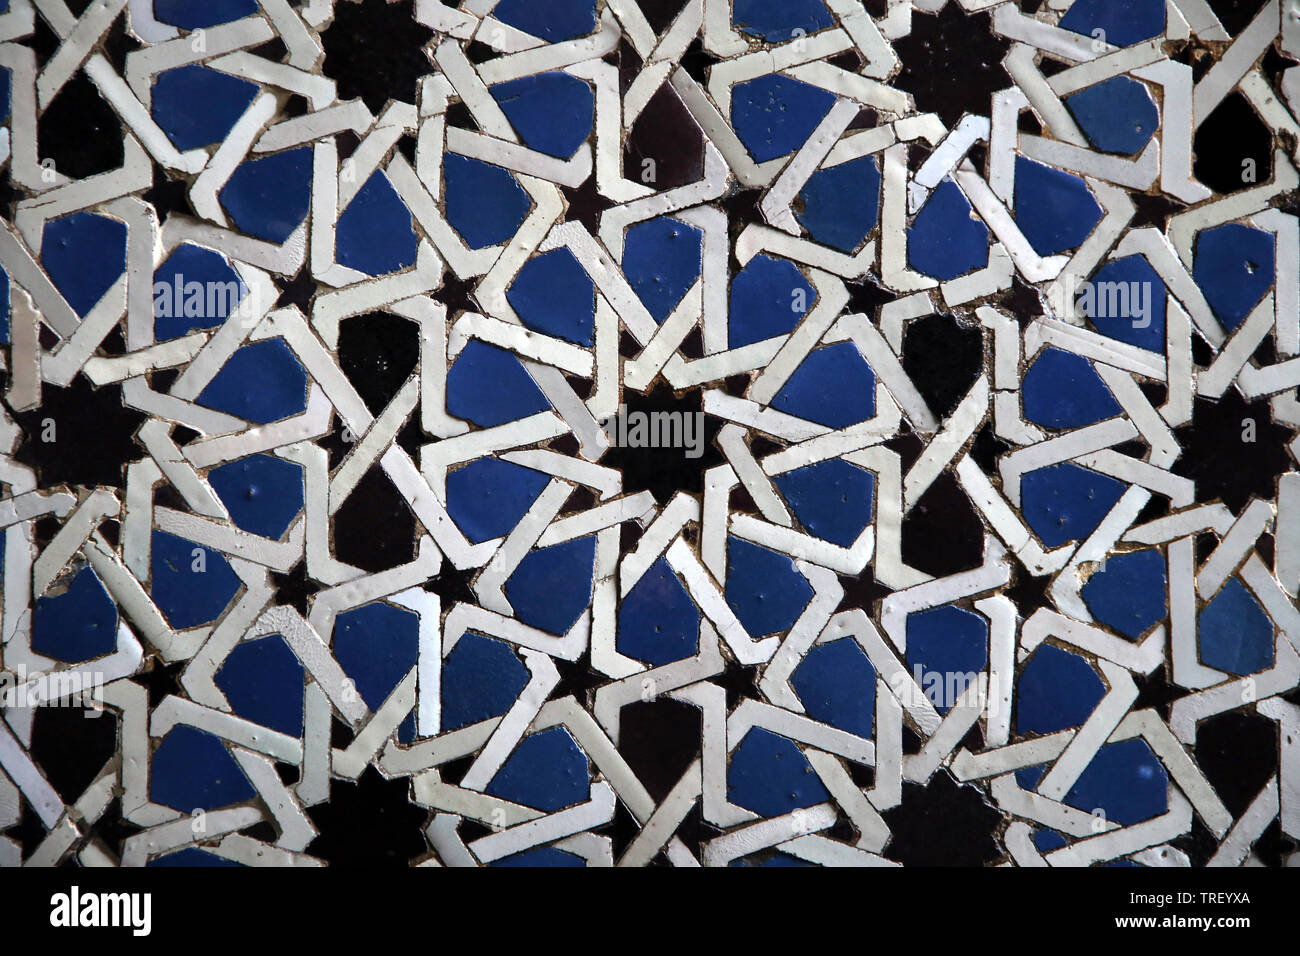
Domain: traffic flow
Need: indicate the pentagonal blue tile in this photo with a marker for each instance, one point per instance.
(194, 288)
(764, 588)
(657, 621)
(84, 254)
(770, 776)
(1234, 633)
(774, 115)
(263, 493)
(75, 624)
(262, 382)
(551, 587)
(947, 239)
(769, 297)
(268, 198)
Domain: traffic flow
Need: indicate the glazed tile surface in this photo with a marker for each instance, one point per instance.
(650, 432)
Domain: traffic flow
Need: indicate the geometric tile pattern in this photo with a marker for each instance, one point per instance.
(631, 432)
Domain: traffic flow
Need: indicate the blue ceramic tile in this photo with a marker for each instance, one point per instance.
(554, 22)
(553, 294)
(196, 106)
(657, 621)
(551, 587)
(764, 588)
(191, 16)
(262, 382)
(1129, 593)
(546, 771)
(1054, 209)
(1121, 22)
(1065, 502)
(269, 198)
(552, 112)
(190, 584)
(946, 648)
(1056, 690)
(377, 645)
(1063, 390)
(192, 770)
(774, 115)
(832, 499)
(263, 681)
(1125, 781)
(1117, 115)
(487, 497)
(779, 20)
(194, 288)
(1125, 300)
(84, 255)
(485, 204)
(661, 259)
(775, 860)
(374, 233)
(837, 685)
(839, 205)
(1234, 268)
(191, 857)
(488, 386)
(76, 624)
(946, 239)
(834, 387)
(545, 856)
(262, 493)
(4, 307)
(770, 776)
(769, 297)
(1047, 840)
(1235, 635)
(481, 678)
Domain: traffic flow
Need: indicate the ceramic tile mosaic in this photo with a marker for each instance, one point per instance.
(650, 432)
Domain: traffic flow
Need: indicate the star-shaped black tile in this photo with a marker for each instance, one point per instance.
(375, 50)
(952, 63)
(167, 195)
(866, 296)
(862, 591)
(456, 294)
(368, 822)
(586, 204)
(740, 682)
(296, 290)
(1233, 449)
(577, 679)
(942, 823)
(697, 60)
(293, 589)
(1156, 691)
(1154, 210)
(161, 680)
(1029, 592)
(452, 585)
(113, 828)
(1022, 300)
